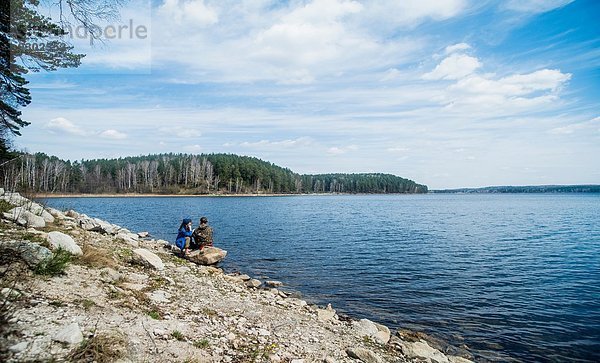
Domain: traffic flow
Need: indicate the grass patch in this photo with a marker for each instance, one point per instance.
(5, 206)
(209, 312)
(101, 348)
(36, 238)
(201, 344)
(87, 303)
(54, 265)
(154, 315)
(96, 258)
(177, 335)
(57, 303)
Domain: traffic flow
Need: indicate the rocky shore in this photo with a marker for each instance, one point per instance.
(76, 288)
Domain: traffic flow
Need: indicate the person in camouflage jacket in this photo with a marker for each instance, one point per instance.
(203, 235)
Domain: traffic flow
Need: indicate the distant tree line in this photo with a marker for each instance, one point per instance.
(527, 189)
(185, 174)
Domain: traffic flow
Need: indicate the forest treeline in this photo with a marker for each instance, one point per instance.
(185, 174)
(527, 189)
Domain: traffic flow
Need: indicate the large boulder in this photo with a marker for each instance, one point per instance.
(34, 221)
(379, 333)
(70, 334)
(32, 253)
(64, 241)
(38, 210)
(364, 355)
(14, 198)
(207, 256)
(148, 259)
(56, 213)
(422, 350)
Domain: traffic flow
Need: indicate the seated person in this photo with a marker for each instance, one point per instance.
(203, 235)
(184, 236)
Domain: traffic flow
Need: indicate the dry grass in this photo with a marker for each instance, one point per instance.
(96, 257)
(101, 348)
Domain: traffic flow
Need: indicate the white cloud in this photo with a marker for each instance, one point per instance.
(113, 134)
(296, 43)
(591, 125)
(535, 6)
(457, 48)
(335, 150)
(514, 85)
(193, 148)
(410, 13)
(455, 66)
(181, 132)
(289, 143)
(61, 124)
(189, 13)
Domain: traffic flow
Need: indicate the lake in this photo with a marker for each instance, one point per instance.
(511, 276)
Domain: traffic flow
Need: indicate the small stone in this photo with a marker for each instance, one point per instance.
(110, 275)
(18, 348)
(70, 334)
(264, 332)
(297, 361)
(245, 277)
(143, 234)
(326, 314)
(272, 283)
(253, 283)
(159, 332)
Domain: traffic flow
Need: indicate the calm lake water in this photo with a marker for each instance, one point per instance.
(511, 276)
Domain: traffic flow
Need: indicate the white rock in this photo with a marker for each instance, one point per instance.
(64, 241)
(143, 234)
(70, 334)
(253, 283)
(271, 283)
(110, 275)
(297, 361)
(33, 220)
(326, 314)
(422, 350)
(379, 333)
(159, 296)
(56, 213)
(207, 256)
(1, 191)
(264, 332)
(18, 348)
(364, 355)
(148, 259)
(14, 198)
(457, 359)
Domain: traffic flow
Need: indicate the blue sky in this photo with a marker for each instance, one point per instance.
(450, 93)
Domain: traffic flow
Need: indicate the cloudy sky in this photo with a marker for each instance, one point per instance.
(450, 93)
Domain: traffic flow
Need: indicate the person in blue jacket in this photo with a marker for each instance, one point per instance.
(184, 236)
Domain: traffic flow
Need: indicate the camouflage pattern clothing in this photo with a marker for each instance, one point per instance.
(203, 236)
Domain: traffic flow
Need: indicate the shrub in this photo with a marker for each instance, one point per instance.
(5, 206)
(154, 315)
(202, 344)
(178, 335)
(95, 257)
(54, 265)
(101, 348)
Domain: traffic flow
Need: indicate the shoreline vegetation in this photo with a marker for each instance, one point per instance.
(579, 188)
(187, 174)
(77, 288)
